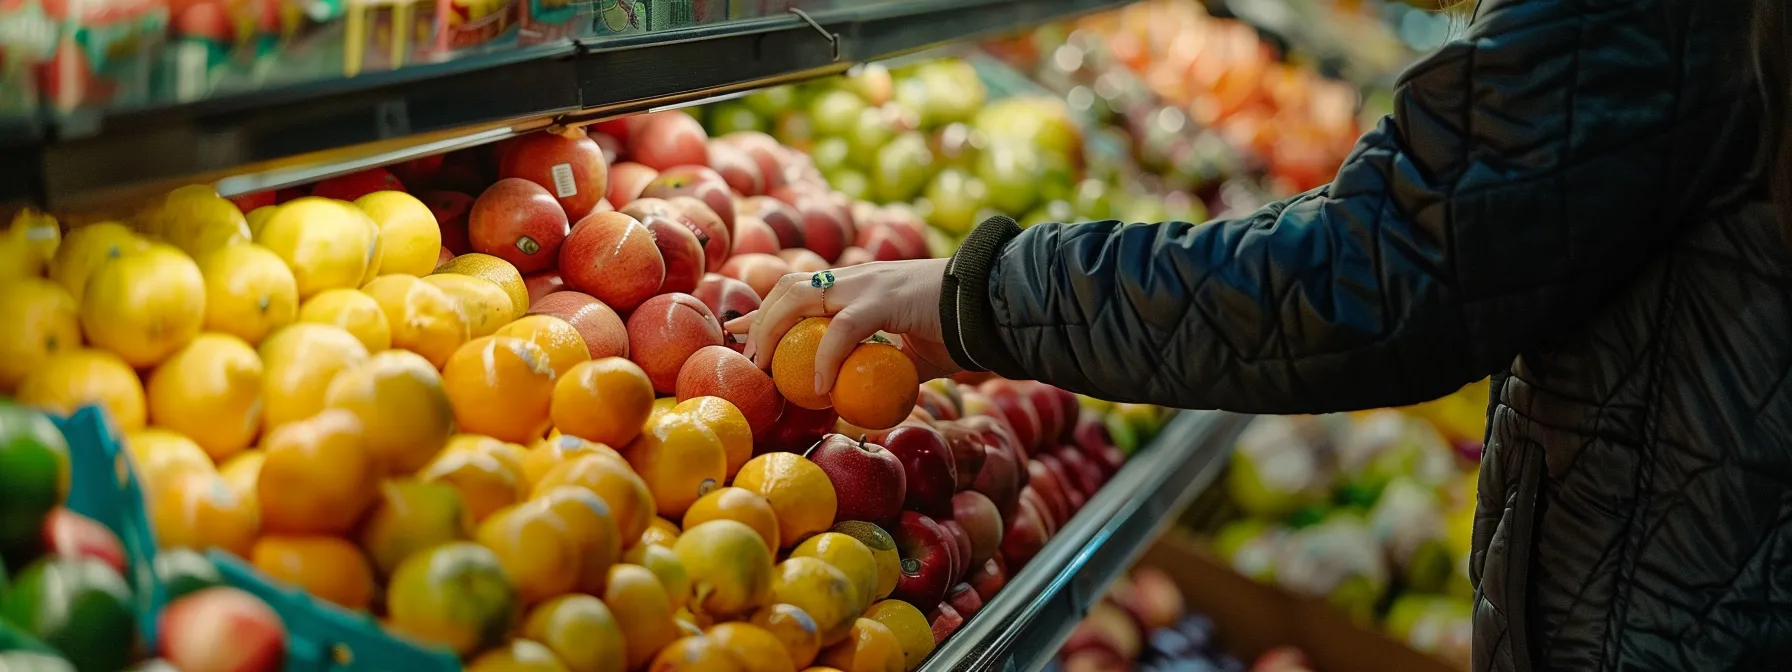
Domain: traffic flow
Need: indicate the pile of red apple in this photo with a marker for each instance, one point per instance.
(970, 494)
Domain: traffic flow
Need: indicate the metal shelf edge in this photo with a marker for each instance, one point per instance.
(1023, 626)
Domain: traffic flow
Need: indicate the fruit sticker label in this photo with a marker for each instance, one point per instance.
(564, 187)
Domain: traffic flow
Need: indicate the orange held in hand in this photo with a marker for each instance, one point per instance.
(605, 400)
(318, 476)
(501, 386)
(793, 364)
(327, 567)
(877, 386)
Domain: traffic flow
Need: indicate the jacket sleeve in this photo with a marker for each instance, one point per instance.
(1528, 170)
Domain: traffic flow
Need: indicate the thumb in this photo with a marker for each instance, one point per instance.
(844, 333)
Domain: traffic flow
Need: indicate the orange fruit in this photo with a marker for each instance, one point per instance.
(402, 406)
(210, 391)
(561, 340)
(639, 603)
(661, 406)
(298, 361)
(160, 456)
(909, 625)
(249, 292)
(695, 653)
(869, 646)
(729, 424)
(659, 532)
(605, 400)
(75, 378)
(420, 316)
(144, 306)
(757, 649)
(411, 516)
(196, 509)
(42, 320)
(793, 364)
(794, 628)
(730, 568)
(520, 655)
(317, 476)
(799, 492)
(877, 386)
(592, 529)
(473, 465)
(354, 311)
(851, 557)
(537, 547)
(820, 590)
(631, 504)
(740, 505)
(666, 566)
(327, 567)
(454, 595)
(495, 270)
(550, 452)
(680, 459)
(500, 386)
(580, 630)
(242, 472)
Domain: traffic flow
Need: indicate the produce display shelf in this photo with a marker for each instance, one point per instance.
(1022, 627)
(299, 133)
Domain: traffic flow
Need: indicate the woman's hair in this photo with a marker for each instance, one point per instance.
(1772, 45)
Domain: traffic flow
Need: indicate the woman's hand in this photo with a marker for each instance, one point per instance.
(900, 297)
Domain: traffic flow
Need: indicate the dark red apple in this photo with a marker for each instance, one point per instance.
(612, 256)
(1047, 513)
(961, 548)
(759, 271)
(568, 164)
(936, 403)
(982, 524)
(72, 535)
(451, 209)
(968, 451)
(869, 482)
(752, 236)
(252, 200)
(520, 222)
(999, 478)
(542, 284)
(681, 251)
(1068, 409)
(965, 600)
(825, 229)
(1087, 477)
(355, 185)
(931, 476)
(988, 578)
(698, 182)
(1018, 410)
(1091, 437)
(728, 298)
(926, 551)
(627, 181)
(785, 220)
(796, 431)
(1052, 419)
(765, 152)
(853, 256)
(1025, 537)
(803, 261)
(668, 139)
(738, 169)
(910, 230)
(1072, 494)
(666, 331)
(945, 621)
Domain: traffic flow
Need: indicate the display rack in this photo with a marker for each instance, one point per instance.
(1022, 627)
(268, 139)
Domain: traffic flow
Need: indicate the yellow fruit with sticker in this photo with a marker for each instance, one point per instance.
(354, 311)
(144, 306)
(485, 306)
(298, 363)
(402, 406)
(680, 459)
(409, 236)
(210, 391)
(421, 317)
(89, 247)
(249, 292)
(43, 321)
(327, 244)
(28, 245)
(76, 378)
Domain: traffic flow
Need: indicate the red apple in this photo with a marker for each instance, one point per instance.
(883, 246)
(784, 220)
(569, 165)
(1072, 494)
(611, 256)
(1025, 537)
(982, 524)
(868, 481)
(627, 181)
(355, 185)
(965, 600)
(1048, 516)
(601, 327)
(945, 621)
(1106, 628)
(736, 167)
(666, 331)
(968, 451)
(910, 231)
(999, 479)
(1046, 481)
(926, 550)
(451, 209)
(542, 284)
(619, 128)
(759, 271)
(727, 297)
(420, 172)
(927, 464)
(803, 261)
(752, 236)
(936, 403)
(988, 578)
(765, 152)
(796, 431)
(698, 182)
(717, 371)
(610, 145)
(668, 139)
(1091, 437)
(221, 629)
(1068, 409)
(1052, 420)
(1084, 474)
(825, 230)
(717, 235)
(853, 256)
(72, 535)
(520, 222)
(681, 251)
(1018, 410)
(961, 548)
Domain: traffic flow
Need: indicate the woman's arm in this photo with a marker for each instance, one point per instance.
(1527, 172)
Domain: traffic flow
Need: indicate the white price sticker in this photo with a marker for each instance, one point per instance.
(564, 187)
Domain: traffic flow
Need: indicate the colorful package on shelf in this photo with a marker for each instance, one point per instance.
(385, 34)
(464, 25)
(105, 50)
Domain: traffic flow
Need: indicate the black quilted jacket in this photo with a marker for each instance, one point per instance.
(1566, 199)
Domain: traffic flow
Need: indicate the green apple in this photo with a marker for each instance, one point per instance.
(1092, 202)
(1051, 211)
(872, 82)
(830, 154)
(902, 168)
(768, 103)
(869, 132)
(733, 115)
(956, 196)
(835, 111)
(850, 182)
(940, 244)
(1009, 169)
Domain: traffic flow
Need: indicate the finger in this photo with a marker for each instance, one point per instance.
(845, 332)
(777, 317)
(742, 324)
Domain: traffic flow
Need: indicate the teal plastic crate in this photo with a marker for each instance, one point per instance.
(321, 637)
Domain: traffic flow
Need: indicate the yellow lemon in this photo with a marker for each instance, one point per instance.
(28, 245)
(820, 590)
(42, 320)
(353, 310)
(77, 378)
(423, 318)
(243, 471)
(409, 236)
(376, 251)
(258, 219)
(498, 271)
(160, 455)
(581, 631)
(326, 243)
(680, 459)
(211, 392)
(729, 566)
(86, 249)
(298, 363)
(910, 627)
(848, 555)
(202, 225)
(883, 550)
(405, 413)
(484, 304)
(249, 292)
(144, 306)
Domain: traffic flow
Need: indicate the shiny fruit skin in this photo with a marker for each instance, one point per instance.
(822, 591)
(76, 378)
(352, 310)
(755, 648)
(86, 249)
(744, 506)
(719, 371)
(473, 466)
(581, 631)
(794, 628)
(680, 459)
(249, 292)
(561, 340)
(909, 625)
(729, 424)
(421, 317)
(502, 387)
(211, 392)
(883, 550)
(483, 303)
(402, 405)
(605, 400)
(592, 530)
(144, 306)
(568, 166)
(869, 646)
(45, 321)
(157, 455)
(492, 269)
(848, 555)
(793, 364)
(298, 363)
(694, 653)
(599, 326)
(557, 448)
(536, 547)
(412, 516)
(799, 492)
(631, 503)
(326, 567)
(876, 388)
(199, 510)
(409, 234)
(642, 610)
(318, 476)
(221, 628)
(611, 256)
(520, 655)
(731, 572)
(327, 244)
(454, 595)
(666, 332)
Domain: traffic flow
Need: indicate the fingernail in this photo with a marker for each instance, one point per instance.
(818, 389)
